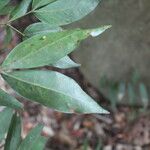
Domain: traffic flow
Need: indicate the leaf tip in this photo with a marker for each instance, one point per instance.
(96, 32)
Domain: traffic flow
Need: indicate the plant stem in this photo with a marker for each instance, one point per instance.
(13, 28)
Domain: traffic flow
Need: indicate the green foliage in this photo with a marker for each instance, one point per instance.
(9, 101)
(40, 28)
(44, 44)
(3, 3)
(62, 12)
(14, 134)
(32, 138)
(52, 89)
(5, 119)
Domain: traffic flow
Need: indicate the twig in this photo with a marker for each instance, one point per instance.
(13, 28)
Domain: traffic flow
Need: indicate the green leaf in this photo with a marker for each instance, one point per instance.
(65, 63)
(42, 50)
(14, 134)
(5, 119)
(9, 101)
(39, 3)
(40, 28)
(39, 144)
(6, 10)
(3, 3)
(31, 139)
(20, 10)
(53, 90)
(8, 36)
(63, 12)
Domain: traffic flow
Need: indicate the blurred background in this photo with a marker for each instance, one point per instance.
(114, 71)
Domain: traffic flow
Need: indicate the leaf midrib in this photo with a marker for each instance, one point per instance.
(34, 52)
(37, 85)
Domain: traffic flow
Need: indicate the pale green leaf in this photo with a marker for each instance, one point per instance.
(5, 119)
(53, 90)
(9, 101)
(14, 134)
(63, 12)
(31, 139)
(3, 3)
(65, 63)
(20, 10)
(41, 50)
(39, 28)
(39, 3)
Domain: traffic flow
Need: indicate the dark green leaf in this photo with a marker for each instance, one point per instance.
(63, 12)
(39, 28)
(31, 139)
(14, 134)
(6, 10)
(5, 119)
(52, 89)
(9, 101)
(20, 10)
(39, 3)
(3, 3)
(42, 50)
(65, 63)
